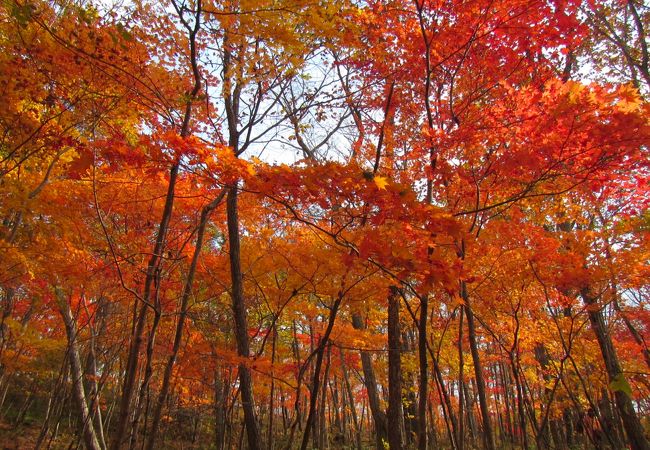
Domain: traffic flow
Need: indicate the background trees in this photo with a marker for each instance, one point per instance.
(279, 224)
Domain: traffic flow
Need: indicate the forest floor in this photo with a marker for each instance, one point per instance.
(22, 437)
(25, 436)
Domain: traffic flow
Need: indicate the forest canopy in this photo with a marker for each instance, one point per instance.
(280, 224)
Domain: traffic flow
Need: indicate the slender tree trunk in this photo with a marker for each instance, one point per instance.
(76, 373)
(220, 392)
(322, 420)
(56, 400)
(505, 380)
(153, 267)
(178, 336)
(461, 381)
(394, 373)
(488, 437)
(432, 431)
(91, 371)
(567, 415)
(93, 392)
(320, 351)
(353, 409)
(370, 382)
(148, 373)
(338, 423)
(498, 401)
(520, 403)
(631, 423)
(241, 323)
(447, 409)
(274, 337)
(131, 371)
(424, 374)
(470, 401)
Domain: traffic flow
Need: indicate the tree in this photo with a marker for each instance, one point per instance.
(324, 224)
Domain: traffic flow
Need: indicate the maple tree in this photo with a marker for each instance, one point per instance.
(285, 224)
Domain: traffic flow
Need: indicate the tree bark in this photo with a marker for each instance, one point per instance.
(241, 323)
(488, 437)
(274, 338)
(353, 410)
(178, 336)
(424, 374)
(153, 266)
(320, 351)
(76, 372)
(447, 409)
(631, 423)
(370, 382)
(394, 373)
(131, 371)
(220, 399)
(461, 381)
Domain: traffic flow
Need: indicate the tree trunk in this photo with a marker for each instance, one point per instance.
(424, 374)
(92, 386)
(370, 382)
(488, 439)
(631, 423)
(131, 371)
(320, 351)
(521, 415)
(447, 409)
(76, 373)
(353, 410)
(178, 336)
(322, 420)
(274, 339)
(143, 395)
(241, 324)
(461, 381)
(153, 266)
(394, 373)
(220, 399)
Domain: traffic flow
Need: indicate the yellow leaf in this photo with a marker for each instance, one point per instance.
(630, 100)
(381, 182)
(575, 89)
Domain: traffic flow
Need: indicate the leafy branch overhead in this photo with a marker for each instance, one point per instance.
(337, 224)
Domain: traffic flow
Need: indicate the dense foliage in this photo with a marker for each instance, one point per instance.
(329, 224)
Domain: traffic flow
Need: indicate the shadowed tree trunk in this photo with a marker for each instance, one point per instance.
(350, 397)
(488, 436)
(241, 323)
(424, 374)
(631, 423)
(185, 297)
(370, 382)
(320, 352)
(153, 266)
(394, 373)
(76, 373)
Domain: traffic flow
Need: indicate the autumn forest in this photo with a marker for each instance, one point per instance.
(324, 224)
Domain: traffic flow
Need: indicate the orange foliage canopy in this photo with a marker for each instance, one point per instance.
(449, 149)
